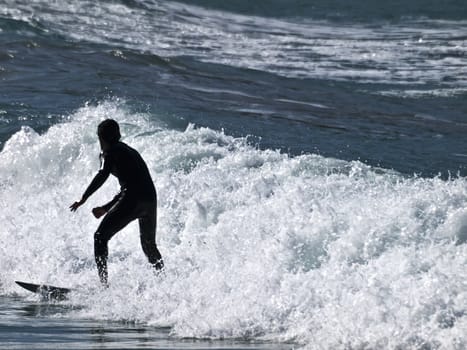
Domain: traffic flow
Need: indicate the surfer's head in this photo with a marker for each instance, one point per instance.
(109, 131)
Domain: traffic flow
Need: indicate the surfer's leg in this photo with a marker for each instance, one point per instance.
(147, 228)
(116, 219)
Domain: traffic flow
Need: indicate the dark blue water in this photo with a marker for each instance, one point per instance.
(359, 83)
(353, 81)
(38, 325)
(354, 11)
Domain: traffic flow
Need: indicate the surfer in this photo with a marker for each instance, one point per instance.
(137, 198)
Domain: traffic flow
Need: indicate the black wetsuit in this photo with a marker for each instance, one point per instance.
(137, 200)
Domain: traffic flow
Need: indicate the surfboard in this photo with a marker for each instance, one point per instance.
(47, 291)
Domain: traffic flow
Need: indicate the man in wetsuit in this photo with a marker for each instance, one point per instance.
(137, 198)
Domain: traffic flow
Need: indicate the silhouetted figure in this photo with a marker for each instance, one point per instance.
(137, 198)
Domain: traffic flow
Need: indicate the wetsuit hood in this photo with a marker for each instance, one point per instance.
(109, 131)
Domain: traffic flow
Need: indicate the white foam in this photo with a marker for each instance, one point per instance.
(257, 244)
(411, 93)
(413, 51)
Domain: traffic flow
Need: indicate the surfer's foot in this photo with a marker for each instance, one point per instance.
(159, 265)
(103, 277)
(159, 268)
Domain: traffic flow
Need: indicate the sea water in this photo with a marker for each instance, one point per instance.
(309, 162)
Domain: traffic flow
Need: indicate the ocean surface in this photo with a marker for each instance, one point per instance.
(309, 156)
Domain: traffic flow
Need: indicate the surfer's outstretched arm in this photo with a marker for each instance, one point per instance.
(76, 205)
(95, 184)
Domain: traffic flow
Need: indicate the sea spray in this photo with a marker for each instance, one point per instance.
(257, 244)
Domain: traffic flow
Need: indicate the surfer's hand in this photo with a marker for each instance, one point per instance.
(76, 205)
(98, 212)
